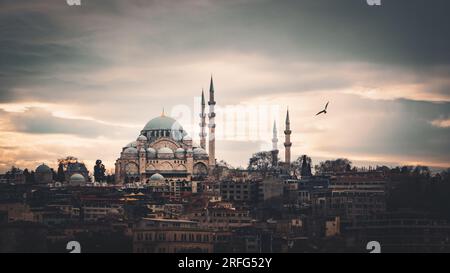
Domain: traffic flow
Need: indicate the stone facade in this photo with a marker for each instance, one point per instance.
(162, 148)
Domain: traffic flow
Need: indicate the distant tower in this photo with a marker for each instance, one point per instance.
(274, 139)
(203, 124)
(212, 126)
(287, 140)
(274, 145)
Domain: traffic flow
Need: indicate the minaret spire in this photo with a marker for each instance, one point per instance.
(212, 126)
(202, 123)
(211, 90)
(287, 140)
(274, 138)
(275, 145)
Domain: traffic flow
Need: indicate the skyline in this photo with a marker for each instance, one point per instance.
(83, 81)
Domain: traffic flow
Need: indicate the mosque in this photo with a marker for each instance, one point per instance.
(164, 151)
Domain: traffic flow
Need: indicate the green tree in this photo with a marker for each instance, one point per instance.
(339, 165)
(60, 176)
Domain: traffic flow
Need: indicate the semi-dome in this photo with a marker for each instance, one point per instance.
(156, 176)
(151, 152)
(130, 151)
(131, 144)
(165, 152)
(179, 153)
(76, 179)
(142, 138)
(162, 123)
(200, 151)
(43, 169)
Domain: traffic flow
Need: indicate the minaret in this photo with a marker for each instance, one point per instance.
(287, 140)
(274, 145)
(203, 124)
(212, 126)
(274, 139)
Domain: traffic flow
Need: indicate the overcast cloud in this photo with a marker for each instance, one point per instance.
(84, 80)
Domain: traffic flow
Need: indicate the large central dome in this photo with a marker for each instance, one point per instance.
(162, 123)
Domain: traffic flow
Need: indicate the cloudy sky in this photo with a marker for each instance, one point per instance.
(83, 81)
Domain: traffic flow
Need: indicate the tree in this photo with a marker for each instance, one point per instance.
(67, 160)
(423, 171)
(32, 178)
(110, 178)
(383, 168)
(60, 176)
(28, 178)
(302, 165)
(261, 161)
(54, 175)
(406, 169)
(445, 175)
(306, 166)
(99, 171)
(223, 163)
(339, 165)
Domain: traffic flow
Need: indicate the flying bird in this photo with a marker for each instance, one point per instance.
(324, 111)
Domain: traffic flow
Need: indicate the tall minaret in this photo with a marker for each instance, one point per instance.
(274, 139)
(212, 126)
(274, 145)
(287, 140)
(203, 123)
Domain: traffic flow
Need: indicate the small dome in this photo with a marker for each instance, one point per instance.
(130, 151)
(142, 138)
(76, 179)
(132, 144)
(43, 169)
(165, 152)
(151, 152)
(179, 153)
(200, 151)
(156, 176)
(188, 138)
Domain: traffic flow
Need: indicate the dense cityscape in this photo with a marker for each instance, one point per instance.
(170, 195)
